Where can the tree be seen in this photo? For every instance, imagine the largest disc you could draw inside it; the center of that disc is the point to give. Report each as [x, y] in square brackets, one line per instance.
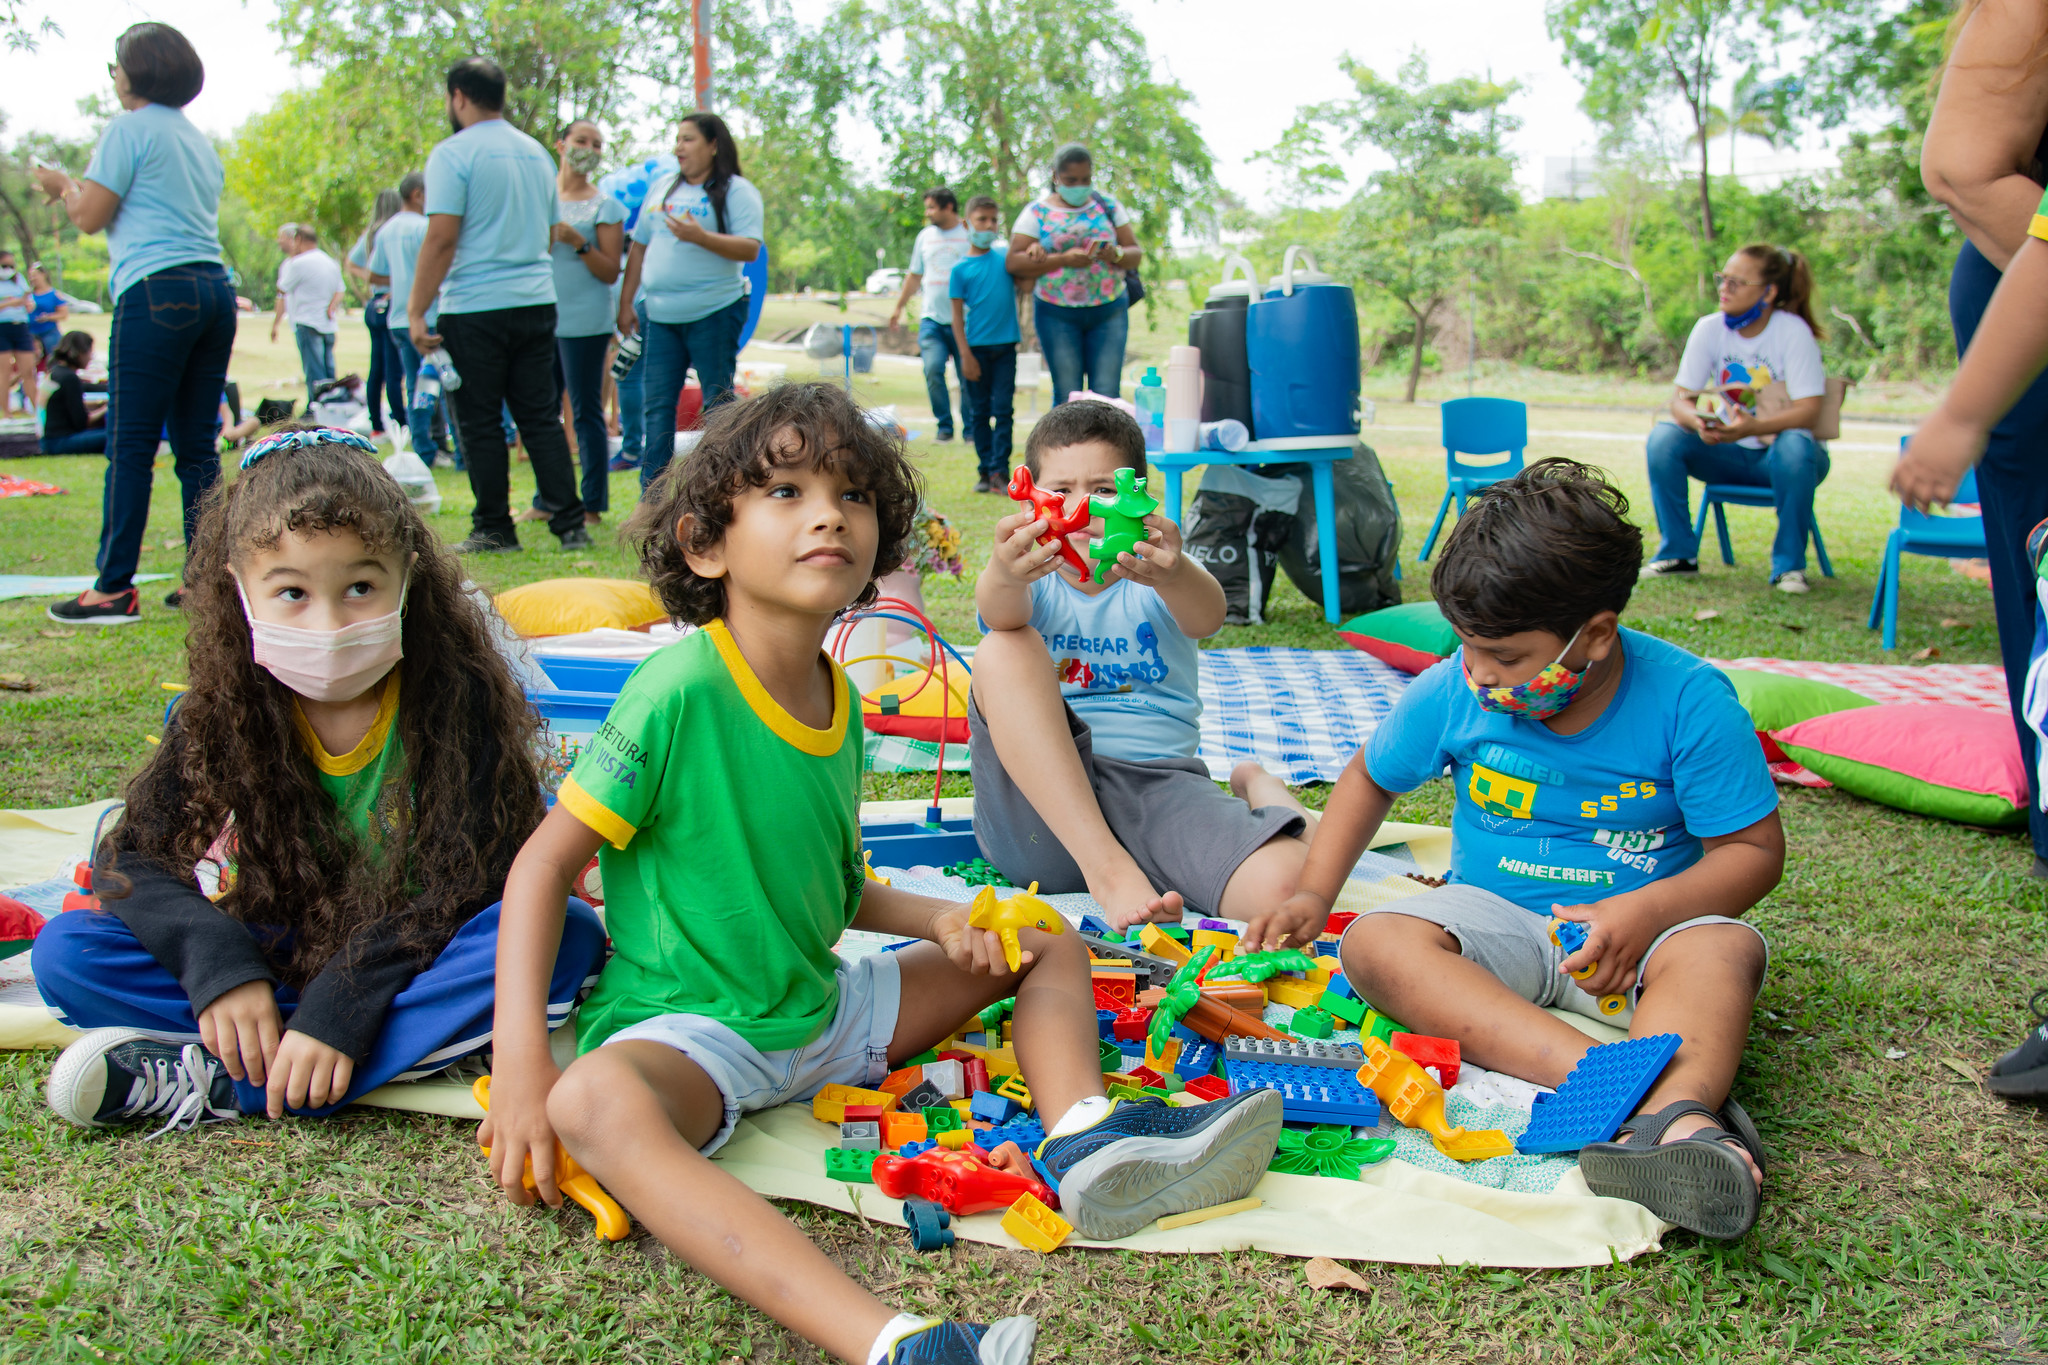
[1422, 229]
[987, 90]
[1636, 56]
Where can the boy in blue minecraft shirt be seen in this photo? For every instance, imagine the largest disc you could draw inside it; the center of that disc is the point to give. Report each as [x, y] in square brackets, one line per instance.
[1602, 776]
[985, 331]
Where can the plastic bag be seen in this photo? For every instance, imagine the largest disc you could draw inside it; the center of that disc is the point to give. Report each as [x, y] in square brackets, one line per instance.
[1236, 526]
[1368, 537]
[416, 479]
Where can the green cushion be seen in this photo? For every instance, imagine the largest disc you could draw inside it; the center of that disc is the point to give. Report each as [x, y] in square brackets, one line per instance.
[1776, 702]
[1411, 637]
[1910, 793]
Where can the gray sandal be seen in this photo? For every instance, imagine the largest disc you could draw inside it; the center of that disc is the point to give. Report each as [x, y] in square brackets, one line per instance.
[1697, 1182]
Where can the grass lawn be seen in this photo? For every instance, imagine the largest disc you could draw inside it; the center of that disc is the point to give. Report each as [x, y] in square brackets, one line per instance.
[1905, 1209]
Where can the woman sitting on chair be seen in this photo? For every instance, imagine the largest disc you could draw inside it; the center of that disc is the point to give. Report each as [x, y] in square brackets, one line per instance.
[1762, 348]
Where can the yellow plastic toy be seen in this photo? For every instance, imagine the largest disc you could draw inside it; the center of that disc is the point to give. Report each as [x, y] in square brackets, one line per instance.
[1035, 1225]
[1021, 911]
[575, 1182]
[829, 1104]
[1159, 943]
[1413, 1096]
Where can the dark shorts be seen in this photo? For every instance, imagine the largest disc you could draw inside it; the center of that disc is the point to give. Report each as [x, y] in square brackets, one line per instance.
[1185, 832]
[15, 336]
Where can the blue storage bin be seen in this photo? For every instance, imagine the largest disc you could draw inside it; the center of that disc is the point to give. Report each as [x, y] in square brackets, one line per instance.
[575, 674]
[1301, 340]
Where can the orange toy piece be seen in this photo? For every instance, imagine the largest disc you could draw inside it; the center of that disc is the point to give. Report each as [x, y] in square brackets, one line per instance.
[1413, 1096]
[1058, 523]
[1214, 1020]
[1021, 911]
[575, 1182]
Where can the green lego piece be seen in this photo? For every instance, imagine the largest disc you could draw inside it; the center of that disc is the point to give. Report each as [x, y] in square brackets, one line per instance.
[1123, 521]
[846, 1165]
[1157, 1092]
[977, 872]
[1312, 1023]
[1178, 932]
[992, 1017]
[925, 1058]
[1381, 1027]
[1349, 1008]
[1109, 1055]
[1127, 1092]
[942, 1118]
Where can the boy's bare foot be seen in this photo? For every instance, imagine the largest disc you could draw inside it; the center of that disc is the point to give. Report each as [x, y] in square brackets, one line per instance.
[1127, 898]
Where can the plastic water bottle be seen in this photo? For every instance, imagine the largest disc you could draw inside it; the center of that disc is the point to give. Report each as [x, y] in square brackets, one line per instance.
[444, 368]
[1150, 401]
[1225, 434]
[628, 356]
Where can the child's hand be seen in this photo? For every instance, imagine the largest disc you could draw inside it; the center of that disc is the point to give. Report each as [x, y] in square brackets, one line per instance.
[1018, 556]
[242, 1028]
[306, 1074]
[973, 950]
[1294, 925]
[516, 1128]
[1940, 453]
[1619, 930]
[1155, 559]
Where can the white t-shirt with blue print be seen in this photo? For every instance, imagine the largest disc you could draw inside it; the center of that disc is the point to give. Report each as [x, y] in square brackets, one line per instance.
[1124, 665]
[1547, 819]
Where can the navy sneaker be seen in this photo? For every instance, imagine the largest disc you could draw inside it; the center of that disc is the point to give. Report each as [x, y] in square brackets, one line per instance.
[115, 1076]
[2023, 1072]
[1143, 1161]
[1008, 1342]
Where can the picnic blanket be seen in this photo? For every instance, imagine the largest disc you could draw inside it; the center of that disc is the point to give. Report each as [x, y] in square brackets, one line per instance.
[1401, 1210]
[13, 585]
[1981, 686]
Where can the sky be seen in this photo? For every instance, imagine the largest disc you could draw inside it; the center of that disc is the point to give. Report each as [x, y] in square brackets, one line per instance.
[1249, 68]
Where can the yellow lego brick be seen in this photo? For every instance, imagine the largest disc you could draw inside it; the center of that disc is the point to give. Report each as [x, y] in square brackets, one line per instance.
[1035, 1225]
[1320, 977]
[1181, 1220]
[1013, 1088]
[829, 1105]
[954, 1138]
[965, 1107]
[1159, 943]
[1162, 1063]
[1224, 944]
[1285, 990]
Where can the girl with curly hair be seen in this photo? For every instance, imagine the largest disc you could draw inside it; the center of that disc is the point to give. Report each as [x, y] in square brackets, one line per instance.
[300, 896]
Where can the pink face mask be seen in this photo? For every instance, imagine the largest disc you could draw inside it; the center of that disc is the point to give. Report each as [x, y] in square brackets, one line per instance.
[329, 665]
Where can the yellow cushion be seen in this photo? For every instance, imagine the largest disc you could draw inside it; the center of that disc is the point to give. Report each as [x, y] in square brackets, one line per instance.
[569, 606]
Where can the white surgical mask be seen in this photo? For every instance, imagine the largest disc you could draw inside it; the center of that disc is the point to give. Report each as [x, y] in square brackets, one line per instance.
[329, 665]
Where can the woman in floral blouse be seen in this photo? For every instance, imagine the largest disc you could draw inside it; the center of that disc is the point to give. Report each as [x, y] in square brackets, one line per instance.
[1077, 243]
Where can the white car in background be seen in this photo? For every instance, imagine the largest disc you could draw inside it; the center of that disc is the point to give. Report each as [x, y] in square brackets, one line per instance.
[887, 280]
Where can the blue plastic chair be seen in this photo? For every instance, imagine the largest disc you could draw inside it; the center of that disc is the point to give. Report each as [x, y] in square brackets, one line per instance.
[1477, 426]
[1716, 495]
[1918, 533]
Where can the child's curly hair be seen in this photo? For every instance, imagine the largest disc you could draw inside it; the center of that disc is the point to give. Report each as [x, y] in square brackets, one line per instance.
[811, 425]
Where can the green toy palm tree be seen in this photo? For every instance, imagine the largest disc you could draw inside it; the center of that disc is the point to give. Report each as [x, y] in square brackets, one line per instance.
[1257, 967]
[1183, 989]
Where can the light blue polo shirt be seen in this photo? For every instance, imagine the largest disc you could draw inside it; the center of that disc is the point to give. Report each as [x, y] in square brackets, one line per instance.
[681, 281]
[395, 252]
[502, 184]
[169, 180]
[583, 303]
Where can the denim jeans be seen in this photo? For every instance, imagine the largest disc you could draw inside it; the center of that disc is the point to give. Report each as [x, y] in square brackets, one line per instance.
[991, 403]
[385, 381]
[1791, 467]
[173, 332]
[506, 357]
[418, 418]
[91, 441]
[712, 345]
[1084, 347]
[316, 356]
[935, 346]
[582, 365]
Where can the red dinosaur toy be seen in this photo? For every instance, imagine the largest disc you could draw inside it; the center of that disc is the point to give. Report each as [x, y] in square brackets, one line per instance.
[955, 1181]
[1058, 523]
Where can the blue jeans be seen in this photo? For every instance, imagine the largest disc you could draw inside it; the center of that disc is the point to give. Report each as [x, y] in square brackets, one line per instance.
[1791, 467]
[582, 364]
[1084, 347]
[385, 381]
[419, 417]
[173, 332]
[711, 345]
[91, 441]
[991, 403]
[935, 346]
[316, 356]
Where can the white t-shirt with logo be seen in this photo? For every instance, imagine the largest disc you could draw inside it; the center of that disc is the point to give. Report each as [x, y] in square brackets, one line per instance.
[932, 256]
[309, 281]
[1720, 360]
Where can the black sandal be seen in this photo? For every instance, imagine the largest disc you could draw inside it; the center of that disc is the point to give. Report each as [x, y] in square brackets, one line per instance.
[1697, 1182]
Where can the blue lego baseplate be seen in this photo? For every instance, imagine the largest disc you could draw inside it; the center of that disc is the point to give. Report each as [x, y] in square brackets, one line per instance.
[1602, 1091]
[1308, 1094]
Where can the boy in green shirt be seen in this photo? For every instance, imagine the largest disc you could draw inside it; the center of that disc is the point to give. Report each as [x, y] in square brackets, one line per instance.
[724, 791]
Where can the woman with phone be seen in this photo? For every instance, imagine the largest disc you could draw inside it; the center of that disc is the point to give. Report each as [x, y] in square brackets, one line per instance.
[1077, 243]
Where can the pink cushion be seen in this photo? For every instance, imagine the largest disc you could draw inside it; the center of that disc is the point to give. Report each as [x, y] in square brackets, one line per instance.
[1958, 747]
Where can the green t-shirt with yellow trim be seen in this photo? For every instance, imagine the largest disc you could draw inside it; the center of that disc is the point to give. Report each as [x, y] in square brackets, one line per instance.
[366, 784]
[732, 861]
[2039, 227]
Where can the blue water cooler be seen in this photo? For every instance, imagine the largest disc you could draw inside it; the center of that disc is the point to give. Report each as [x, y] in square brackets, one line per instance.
[1301, 340]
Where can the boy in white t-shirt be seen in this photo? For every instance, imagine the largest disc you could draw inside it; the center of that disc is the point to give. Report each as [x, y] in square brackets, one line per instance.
[1764, 333]
[1085, 714]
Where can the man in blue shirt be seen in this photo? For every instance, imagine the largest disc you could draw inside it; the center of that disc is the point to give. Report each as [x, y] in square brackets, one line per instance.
[490, 214]
[985, 331]
[1602, 777]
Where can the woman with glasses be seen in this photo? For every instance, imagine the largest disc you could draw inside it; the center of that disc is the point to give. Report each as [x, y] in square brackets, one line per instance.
[1763, 337]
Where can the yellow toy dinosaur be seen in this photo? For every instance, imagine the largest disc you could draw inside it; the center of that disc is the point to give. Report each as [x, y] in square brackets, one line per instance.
[1021, 911]
[573, 1181]
[1413, 1096]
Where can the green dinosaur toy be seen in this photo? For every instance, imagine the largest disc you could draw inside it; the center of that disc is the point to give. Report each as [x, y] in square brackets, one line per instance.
[1123, 521]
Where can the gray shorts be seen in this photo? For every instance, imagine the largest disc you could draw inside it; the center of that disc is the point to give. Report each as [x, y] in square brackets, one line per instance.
[1514, 944]
[853, 1050]
[1186, 833]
